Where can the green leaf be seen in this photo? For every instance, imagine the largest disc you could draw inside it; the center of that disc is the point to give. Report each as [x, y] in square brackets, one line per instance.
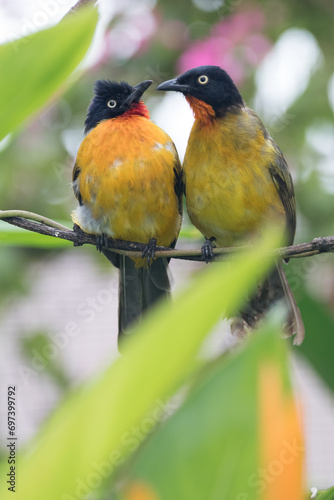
[324, 494]
[211, 447]
[90, 434]
[11, 236]
[318, 346]
[34, 67]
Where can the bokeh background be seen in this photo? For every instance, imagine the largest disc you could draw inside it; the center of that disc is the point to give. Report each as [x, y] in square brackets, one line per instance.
[58, 312]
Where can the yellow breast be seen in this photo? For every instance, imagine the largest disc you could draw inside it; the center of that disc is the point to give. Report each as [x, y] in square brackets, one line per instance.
[229, 190]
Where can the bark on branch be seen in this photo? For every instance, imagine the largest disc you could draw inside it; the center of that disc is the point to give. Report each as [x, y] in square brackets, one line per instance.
[42, 225]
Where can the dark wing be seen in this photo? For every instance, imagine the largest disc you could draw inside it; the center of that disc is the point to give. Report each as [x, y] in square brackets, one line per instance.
[283, 181]
[178, 184]
[75, 184]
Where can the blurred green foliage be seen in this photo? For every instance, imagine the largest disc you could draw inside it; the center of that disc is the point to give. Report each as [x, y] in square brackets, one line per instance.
[38, 349]
[35, 175]
[93, 429]
[216, 432]
[325, 495]
[57, 52]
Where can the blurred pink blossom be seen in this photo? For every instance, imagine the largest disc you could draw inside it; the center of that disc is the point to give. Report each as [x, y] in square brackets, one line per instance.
[131, 34]
[237, 44]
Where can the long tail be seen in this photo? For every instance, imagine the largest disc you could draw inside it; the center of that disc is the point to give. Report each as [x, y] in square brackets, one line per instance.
[274, 288]
[139, 287]
[295, 325]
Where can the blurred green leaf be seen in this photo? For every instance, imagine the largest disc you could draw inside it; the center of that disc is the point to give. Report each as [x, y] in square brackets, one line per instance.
[12, 271]
[325, 495]
[318, 346]
[35, 66]
[92, 427]
[211, 447]
[39, 350]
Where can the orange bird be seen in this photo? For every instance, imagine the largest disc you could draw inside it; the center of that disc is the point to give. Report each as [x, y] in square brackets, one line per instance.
[236, 182]
[127, 179]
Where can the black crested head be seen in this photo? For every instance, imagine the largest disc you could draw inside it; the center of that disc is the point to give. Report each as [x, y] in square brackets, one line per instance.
[210, 84]
[107, 102]
[112, 99]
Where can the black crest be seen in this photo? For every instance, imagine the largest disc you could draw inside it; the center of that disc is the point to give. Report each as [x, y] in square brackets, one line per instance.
[108, 102]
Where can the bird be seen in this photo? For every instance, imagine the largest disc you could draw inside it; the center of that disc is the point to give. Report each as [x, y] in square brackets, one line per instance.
[127, 179]
[236, 183]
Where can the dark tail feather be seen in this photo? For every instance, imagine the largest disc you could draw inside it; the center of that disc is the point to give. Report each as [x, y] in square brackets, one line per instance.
[295, 325]
[274, 288]
[130, 293]
[139, 287]
[156, 282]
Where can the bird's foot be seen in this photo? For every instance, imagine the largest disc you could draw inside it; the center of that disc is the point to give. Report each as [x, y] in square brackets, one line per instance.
[101, 241]
[149, 251]
[207, 250]
[78, 231]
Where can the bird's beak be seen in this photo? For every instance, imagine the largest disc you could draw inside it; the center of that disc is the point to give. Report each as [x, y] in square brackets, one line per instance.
[174, 85]
[138, 91]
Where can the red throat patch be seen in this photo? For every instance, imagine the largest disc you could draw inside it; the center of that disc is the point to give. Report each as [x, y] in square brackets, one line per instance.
[202, 111]
[138, 109]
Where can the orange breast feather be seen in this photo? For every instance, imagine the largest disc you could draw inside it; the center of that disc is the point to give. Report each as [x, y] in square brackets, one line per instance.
[126, 181]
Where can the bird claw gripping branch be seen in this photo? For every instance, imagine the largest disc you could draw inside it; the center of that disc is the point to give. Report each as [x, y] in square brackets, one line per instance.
[207, 251]
[101, 242]
[149, 251]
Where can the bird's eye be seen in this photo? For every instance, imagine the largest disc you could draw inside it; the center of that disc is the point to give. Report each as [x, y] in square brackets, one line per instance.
[203, 79]
[112, 104]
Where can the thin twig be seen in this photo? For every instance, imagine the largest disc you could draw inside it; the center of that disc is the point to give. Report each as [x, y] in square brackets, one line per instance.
[30, 215]
[78, 5]
[42, 225]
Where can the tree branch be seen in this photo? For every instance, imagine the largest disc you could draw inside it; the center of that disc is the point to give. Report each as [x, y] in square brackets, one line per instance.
[42, 225]
[30, 215]
[78, 5]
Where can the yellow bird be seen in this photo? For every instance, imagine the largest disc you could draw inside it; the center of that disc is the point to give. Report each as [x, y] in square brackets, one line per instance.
[237, 182]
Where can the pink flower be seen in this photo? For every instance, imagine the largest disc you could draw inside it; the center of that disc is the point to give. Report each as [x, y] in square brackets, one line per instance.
[236, 44]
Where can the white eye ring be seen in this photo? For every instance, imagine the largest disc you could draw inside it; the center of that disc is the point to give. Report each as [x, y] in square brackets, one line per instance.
[203, 79]
[112, 104]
